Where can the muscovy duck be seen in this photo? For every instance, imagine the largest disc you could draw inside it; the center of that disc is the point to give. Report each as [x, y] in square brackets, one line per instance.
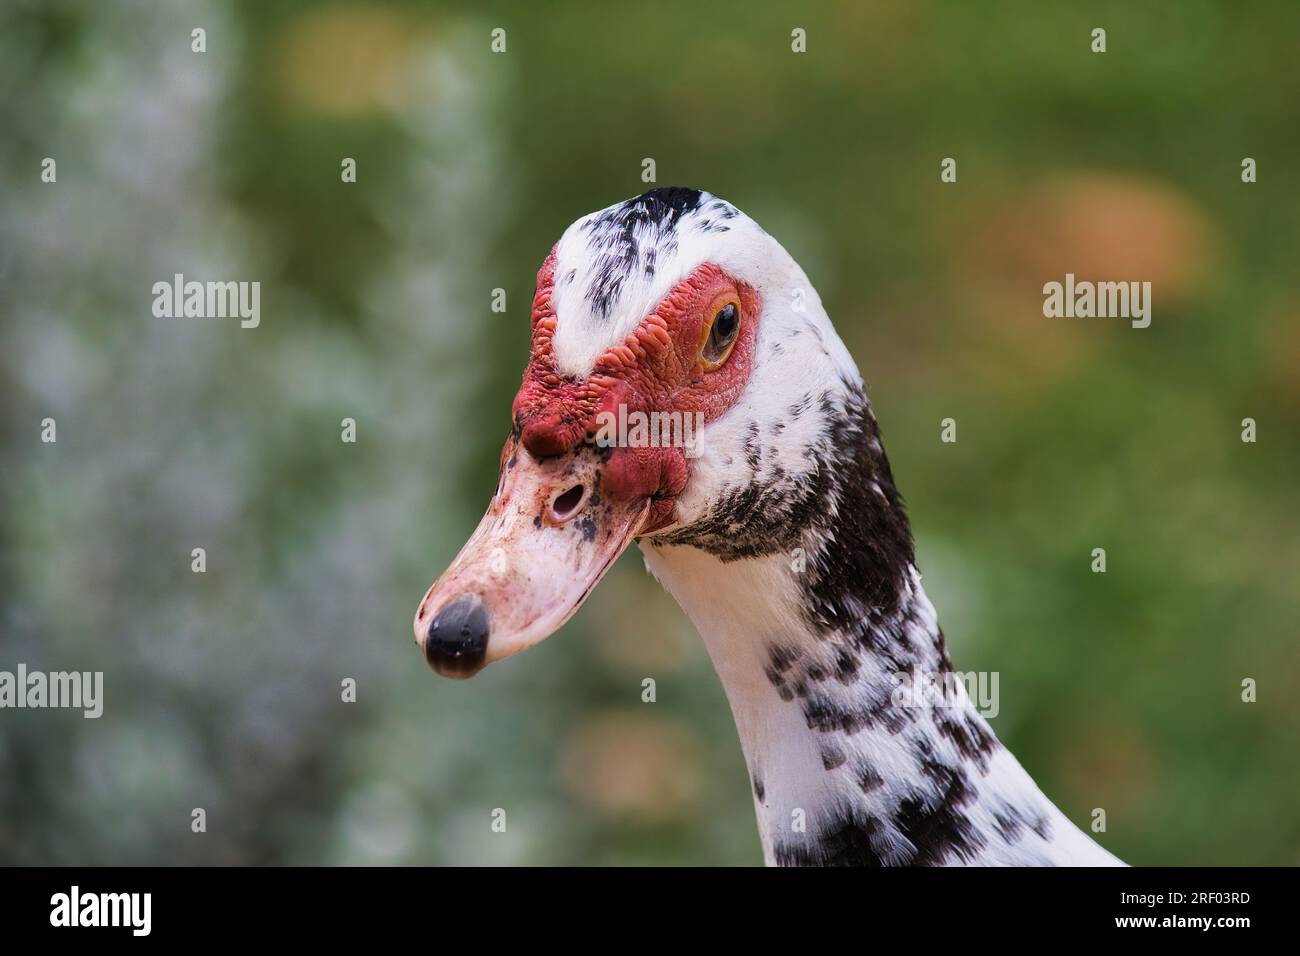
[777, 527]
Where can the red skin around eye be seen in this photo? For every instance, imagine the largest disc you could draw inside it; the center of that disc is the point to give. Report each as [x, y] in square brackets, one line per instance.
[657, 368]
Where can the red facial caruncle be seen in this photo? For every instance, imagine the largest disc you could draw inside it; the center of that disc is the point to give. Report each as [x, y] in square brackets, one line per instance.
[662, 366]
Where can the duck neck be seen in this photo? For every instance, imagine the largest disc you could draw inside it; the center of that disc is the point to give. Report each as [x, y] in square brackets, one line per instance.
[862, 747]
[866, 751]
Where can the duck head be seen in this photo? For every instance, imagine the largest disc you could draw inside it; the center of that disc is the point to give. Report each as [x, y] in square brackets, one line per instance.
[683, 376]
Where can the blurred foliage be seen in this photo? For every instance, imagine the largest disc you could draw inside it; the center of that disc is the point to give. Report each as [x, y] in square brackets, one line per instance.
[1119, 691]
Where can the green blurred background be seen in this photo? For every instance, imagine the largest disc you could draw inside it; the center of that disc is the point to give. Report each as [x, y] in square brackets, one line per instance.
[1119, 691]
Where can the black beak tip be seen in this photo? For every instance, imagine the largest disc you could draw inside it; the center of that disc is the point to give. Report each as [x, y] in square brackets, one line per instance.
[456, 641]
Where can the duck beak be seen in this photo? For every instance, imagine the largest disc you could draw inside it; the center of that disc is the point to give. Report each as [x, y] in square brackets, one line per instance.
[548, 537]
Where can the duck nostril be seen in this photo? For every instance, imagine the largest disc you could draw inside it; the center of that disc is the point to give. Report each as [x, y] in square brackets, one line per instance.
[566, 505]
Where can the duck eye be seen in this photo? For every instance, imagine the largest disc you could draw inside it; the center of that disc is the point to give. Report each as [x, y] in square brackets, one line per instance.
[722, 336]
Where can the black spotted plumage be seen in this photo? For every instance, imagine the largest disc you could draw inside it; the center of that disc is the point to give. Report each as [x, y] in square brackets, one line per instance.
[846, 512]
[868, 557]
[630, 237]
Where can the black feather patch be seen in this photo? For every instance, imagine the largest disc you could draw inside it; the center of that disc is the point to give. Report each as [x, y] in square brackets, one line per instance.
[866, 549]
[631, 237]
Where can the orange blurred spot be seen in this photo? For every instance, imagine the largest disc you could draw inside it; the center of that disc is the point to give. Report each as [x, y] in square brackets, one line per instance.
[626, 763]
[1098, 227]
[344, 60]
